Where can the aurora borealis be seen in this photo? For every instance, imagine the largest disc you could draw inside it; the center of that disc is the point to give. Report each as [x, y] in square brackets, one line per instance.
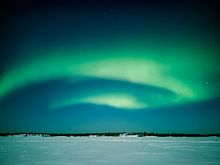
[110, 66]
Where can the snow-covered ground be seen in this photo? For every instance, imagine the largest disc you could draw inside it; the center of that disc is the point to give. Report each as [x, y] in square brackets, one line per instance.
[32, 150]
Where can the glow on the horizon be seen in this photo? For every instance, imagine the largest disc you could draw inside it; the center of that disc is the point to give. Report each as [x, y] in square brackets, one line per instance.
[113, 100]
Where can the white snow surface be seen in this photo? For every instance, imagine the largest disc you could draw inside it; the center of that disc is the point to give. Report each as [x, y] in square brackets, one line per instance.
[37, 150]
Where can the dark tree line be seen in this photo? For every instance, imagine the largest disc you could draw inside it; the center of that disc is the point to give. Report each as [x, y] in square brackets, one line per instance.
[114, 134]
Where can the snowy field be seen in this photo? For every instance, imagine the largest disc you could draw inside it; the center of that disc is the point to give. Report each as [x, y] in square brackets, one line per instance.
[36, 150]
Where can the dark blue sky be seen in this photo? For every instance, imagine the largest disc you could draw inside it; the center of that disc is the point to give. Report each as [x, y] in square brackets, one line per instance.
[107, 66]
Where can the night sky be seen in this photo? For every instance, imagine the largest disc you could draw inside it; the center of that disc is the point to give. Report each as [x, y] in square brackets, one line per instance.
[108, 66]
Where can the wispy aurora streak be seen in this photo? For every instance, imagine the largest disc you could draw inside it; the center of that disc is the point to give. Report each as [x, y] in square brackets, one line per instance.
[170, 70]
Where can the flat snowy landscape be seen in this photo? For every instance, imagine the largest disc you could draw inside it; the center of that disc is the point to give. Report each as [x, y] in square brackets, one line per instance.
[20, 150]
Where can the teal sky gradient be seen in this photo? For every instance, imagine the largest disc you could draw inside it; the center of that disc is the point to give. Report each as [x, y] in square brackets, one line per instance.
[127, 68]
